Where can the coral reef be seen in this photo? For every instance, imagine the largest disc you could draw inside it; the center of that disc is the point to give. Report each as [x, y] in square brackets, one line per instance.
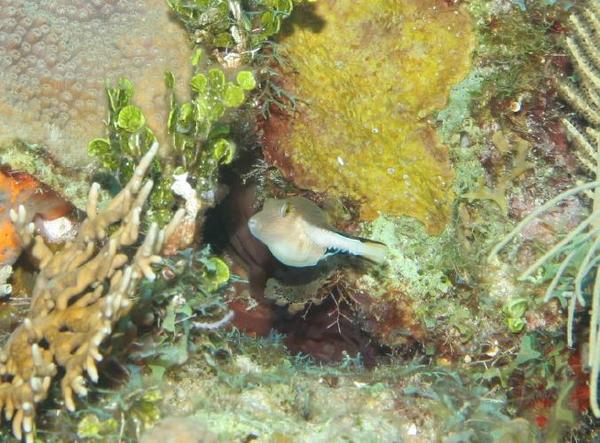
[571, 264]
[258, 390]
[55, 62]
[416, 292]
[79, 294]
[435, 345]
[366, 91]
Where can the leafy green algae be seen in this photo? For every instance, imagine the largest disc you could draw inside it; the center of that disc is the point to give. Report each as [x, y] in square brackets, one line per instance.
[369, 79]
[243, 26]
[198, 134]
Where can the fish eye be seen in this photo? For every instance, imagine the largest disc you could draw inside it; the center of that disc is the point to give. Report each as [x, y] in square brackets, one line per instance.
[285, 209]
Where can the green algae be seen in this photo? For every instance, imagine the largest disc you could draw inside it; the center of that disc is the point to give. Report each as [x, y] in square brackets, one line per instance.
[92, 428]
[515, 310]
[131, 118]
[243, 26]
[198, 129]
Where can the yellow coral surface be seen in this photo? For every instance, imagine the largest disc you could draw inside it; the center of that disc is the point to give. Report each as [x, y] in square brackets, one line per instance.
[57, 55]
[368, 81]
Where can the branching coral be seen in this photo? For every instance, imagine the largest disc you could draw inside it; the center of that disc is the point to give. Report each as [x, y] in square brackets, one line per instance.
[81, 291]
[572, 263]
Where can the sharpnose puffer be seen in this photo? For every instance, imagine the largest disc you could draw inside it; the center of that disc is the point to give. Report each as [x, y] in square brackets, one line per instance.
[297, 233]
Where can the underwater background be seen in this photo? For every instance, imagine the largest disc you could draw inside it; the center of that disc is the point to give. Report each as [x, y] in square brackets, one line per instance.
[299, 220]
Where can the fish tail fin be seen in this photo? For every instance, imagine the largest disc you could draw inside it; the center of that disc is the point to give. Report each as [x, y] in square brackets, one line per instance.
[373, 251]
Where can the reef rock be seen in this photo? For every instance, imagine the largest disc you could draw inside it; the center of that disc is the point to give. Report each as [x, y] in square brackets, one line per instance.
[366, 83]
[57, 55]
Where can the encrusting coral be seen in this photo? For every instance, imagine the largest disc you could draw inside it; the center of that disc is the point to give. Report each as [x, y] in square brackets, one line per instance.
[572, 263]
[81, 291]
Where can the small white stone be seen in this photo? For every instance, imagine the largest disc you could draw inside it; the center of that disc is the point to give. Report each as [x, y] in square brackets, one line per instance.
[412, 429]
[182, 188]
[58, 230]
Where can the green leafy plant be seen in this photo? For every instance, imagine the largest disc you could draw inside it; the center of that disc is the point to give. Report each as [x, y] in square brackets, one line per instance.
[129, 138]
[126, 412]
[186, 297]
[514, 311]
[227, 24]
[199, 136]
[239, 32]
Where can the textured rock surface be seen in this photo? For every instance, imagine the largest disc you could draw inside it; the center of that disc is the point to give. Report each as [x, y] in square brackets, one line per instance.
[368, 81]
[56, 55]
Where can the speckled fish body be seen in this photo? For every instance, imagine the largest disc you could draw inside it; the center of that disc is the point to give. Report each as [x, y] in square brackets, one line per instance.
[297, 233]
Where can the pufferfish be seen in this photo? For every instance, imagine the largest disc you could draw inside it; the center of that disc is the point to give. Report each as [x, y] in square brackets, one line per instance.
[297, 233]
